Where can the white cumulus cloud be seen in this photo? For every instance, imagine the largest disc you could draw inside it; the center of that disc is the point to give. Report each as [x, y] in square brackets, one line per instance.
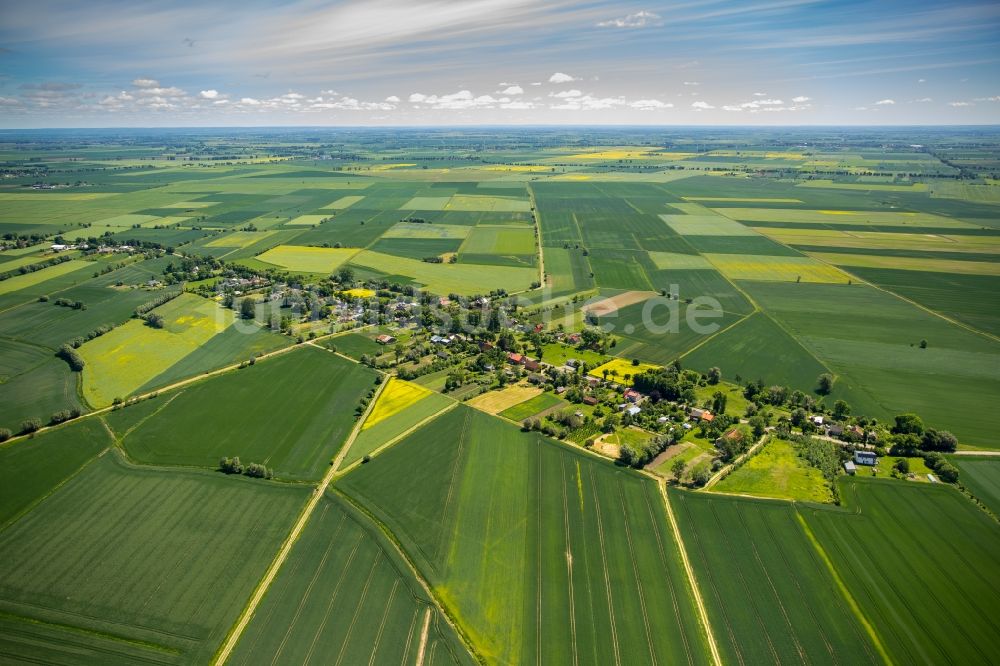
[512, 90]
[209, 94]
[559, 77]
[800, 99]
[885, 102]
[701, 105]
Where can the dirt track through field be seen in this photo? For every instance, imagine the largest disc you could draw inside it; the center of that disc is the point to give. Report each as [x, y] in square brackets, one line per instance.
[699, 602]
[423, 637]
[290, 540]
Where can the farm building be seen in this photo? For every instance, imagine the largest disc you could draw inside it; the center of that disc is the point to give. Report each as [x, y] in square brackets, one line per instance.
[850, 468]
[385, 339]
[632, 410]
[865, 458]
[516, 359]
[701, 414]
[632, 395]
[589, 400]
[532, 365]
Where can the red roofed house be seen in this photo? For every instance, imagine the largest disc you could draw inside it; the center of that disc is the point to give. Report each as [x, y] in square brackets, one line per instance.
[701, 414]
[516, 359]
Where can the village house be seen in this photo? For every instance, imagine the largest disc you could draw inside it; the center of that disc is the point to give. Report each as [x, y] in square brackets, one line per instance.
[385, 339]
[865, 458]
[589, 400]
[516, 359]
[701, 414]
[532, 365]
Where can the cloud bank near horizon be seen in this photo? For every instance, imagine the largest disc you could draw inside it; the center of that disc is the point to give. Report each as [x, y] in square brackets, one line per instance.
[399, 62]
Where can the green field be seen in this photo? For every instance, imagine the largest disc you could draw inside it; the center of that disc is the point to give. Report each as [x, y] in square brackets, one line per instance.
[532, 406]
[260, 413]
[535, 549]
[345, 596]
[880, 366]
[307, 259]
[125, 564]
[909, 553]
[122, 361]
[777, 471]
[464, 279]
[775, 602]
[866, 253]
[982, 477]
[30, 470]
[387, 429]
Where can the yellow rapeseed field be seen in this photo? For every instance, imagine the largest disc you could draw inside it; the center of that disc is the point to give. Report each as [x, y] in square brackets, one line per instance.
[396, 397]
[619, 367]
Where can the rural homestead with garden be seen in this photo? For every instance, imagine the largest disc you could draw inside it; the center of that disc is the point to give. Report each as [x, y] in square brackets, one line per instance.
[569, 369]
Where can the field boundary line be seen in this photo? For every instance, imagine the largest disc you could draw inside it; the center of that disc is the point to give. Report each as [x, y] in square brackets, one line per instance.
[428, 590]
[713, 647]
[183, 382]
[537, 217]
[20, 514]
[391, 442]
[286, 547]
[842, 586]
[960, 324]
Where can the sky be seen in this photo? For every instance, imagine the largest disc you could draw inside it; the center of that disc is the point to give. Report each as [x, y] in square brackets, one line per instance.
[111, 63]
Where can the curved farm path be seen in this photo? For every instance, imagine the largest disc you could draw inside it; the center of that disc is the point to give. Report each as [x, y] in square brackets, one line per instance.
[699, 602]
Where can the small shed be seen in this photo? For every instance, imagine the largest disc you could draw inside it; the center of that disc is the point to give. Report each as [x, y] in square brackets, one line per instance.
[850, 468]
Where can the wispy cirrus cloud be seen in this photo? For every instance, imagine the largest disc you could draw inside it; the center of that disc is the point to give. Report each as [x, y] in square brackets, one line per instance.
[640, 19]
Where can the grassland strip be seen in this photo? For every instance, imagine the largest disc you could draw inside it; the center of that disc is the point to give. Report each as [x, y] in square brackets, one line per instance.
[713, 647]
[851, 602]
[739, 461]
[289, 542]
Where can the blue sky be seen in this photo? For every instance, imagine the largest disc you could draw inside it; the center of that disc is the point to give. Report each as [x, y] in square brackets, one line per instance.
[445, 62]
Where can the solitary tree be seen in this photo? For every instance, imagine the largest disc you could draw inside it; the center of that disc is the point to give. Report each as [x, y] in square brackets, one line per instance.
[678, 468]
[824, 384]
[248, 308]
[841, 409]
[714, 375]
